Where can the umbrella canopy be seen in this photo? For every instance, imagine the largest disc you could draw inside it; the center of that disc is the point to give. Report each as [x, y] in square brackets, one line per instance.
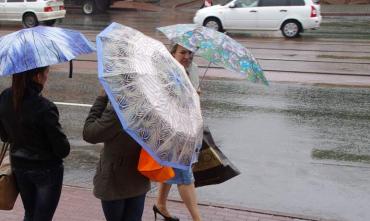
[217, 48]
[151, 94]
[39, 47]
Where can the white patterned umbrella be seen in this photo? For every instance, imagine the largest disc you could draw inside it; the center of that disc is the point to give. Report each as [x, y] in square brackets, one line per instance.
[151, 95]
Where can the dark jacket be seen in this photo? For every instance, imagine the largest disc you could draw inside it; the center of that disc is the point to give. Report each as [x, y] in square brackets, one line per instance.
[116, 175]
[35, 134]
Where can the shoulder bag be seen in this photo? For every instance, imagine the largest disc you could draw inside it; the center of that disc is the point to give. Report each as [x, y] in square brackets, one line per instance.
[8, 187]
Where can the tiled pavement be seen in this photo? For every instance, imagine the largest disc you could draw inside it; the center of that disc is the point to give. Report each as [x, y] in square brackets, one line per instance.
[78, 204]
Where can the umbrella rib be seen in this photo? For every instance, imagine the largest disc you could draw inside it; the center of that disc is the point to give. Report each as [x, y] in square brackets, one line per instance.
[24, 48]
[55, 51]
[34, 41]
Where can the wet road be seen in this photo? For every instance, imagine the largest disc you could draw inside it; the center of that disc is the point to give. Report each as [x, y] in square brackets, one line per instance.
[301, 148]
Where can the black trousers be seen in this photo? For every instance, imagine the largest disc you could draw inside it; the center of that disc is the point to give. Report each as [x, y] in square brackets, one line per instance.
[130, 209]
[40, 191]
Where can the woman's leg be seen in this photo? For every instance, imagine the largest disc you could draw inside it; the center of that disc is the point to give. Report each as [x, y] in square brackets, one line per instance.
[114, 209]
[188, 195]
[27, 192]
[134, 208]
[163, 192]
[48, 184]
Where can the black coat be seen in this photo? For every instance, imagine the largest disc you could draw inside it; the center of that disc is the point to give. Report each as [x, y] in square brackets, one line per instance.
[35, 134]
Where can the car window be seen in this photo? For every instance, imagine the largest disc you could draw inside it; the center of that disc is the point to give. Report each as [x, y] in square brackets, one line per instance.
[31, 0]
[2, 1]
[246, 3]
[297, 2]
[15, 0]
[273, 3]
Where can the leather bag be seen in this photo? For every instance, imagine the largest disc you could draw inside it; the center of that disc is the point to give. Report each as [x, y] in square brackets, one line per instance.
[8, 187]
[213, 167]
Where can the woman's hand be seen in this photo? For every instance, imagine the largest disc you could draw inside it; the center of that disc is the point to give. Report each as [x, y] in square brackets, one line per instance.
[102, 92]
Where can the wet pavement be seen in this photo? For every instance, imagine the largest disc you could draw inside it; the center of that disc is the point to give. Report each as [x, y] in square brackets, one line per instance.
[302, 148]
[272, 134]
[79, 204]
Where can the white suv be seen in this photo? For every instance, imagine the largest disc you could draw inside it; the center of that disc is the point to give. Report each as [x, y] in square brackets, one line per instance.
[31, 12]
[290, 16]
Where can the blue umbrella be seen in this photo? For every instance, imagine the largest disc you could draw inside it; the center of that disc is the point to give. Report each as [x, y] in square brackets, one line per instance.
[39, 47]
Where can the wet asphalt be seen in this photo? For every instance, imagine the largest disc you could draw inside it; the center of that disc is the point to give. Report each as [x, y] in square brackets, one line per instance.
[301, 148]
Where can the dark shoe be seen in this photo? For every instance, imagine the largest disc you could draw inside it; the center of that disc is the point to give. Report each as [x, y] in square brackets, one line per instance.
[166, 218]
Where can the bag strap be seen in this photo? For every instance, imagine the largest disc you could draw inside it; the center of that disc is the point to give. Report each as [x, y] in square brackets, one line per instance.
[3, 151]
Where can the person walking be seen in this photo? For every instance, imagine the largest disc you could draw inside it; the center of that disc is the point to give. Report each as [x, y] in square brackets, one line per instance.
[117, 182]
[30, 123]
[183, 178]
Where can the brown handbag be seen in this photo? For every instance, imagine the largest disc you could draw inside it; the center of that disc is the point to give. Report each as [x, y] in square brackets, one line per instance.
[213, 167]
[8, 187]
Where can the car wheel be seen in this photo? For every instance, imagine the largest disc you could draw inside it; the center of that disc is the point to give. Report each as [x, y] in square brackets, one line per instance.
[30, 20]
[88, 7]
[291, 29]
[50, 22]
[213, 23]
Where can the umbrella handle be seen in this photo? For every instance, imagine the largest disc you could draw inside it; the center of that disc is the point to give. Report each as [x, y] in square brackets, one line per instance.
[70, 68]
[205, 72]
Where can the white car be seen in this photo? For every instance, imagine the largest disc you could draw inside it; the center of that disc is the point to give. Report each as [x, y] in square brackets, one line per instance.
[290, 16]
[31, 12]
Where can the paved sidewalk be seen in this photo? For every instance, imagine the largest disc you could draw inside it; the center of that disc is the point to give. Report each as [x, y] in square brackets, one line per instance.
[78, 204]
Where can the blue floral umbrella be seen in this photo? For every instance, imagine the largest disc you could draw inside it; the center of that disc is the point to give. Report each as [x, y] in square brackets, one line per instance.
[151, 94]
[217, 48]
[40, 46]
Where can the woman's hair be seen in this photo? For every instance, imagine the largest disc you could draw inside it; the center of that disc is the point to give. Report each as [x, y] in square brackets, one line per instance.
[173, 47]
[20, 81]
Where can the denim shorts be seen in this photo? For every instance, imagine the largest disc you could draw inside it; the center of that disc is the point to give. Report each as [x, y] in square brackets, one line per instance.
[182, 177]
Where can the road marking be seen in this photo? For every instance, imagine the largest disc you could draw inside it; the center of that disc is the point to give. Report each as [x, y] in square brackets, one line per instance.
[73, 104]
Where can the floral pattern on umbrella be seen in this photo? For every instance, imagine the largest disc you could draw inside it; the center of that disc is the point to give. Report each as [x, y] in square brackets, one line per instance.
[217, 48]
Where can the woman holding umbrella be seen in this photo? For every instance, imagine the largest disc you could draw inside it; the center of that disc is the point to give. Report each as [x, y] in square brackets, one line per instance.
[154, 104]
[184, 179]
[29, 121]
[117, 182]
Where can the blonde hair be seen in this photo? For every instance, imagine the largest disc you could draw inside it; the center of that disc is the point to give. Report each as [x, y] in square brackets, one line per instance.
[173, 47]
